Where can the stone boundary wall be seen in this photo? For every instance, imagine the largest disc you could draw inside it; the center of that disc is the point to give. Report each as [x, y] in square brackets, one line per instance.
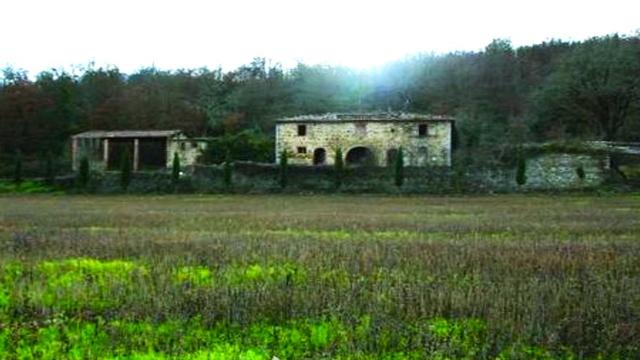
[548, 172]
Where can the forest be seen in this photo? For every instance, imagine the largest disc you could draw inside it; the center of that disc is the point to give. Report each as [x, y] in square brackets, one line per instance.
[553, 91]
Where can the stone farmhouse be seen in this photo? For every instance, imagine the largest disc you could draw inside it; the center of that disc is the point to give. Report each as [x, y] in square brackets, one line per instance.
[147, 150]
[366, 138]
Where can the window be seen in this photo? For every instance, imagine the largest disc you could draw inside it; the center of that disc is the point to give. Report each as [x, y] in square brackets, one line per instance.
[422, 130]
[302, 150]
[302, 130]
[183, 146]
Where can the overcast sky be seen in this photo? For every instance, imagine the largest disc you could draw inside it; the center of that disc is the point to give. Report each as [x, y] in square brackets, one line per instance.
[41, 34]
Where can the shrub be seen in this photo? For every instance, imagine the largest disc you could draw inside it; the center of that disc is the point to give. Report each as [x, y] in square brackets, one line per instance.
[125, 171]
[228, 171]
[338, 169]
[17, 169]
[399, 168]
[521, 172]
[580, 172]
[175, 170]
[84, 172]
[49, 170]
[247, 145]
[284, 159]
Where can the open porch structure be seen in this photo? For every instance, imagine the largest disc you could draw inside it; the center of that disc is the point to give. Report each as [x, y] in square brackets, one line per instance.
[147, 149]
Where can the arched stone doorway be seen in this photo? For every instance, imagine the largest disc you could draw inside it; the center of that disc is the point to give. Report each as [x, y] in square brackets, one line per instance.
[360, 155]
[319, 156]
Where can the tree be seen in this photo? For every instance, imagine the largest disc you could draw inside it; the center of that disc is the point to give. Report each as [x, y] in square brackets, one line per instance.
[84, 172]
[596, 89]
[49, 170]
[17, 168]
[125, 171]
[338, 169]
[228, 171]
[399, 168]
[284, 168]
[521, 171]
[175, 170]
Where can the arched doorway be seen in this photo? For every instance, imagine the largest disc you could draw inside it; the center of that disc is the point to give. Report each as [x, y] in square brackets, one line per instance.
[360, 155]
[319, 156]
[392, 154]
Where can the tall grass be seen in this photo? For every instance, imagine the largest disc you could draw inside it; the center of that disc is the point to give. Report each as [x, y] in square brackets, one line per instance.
[320, 277]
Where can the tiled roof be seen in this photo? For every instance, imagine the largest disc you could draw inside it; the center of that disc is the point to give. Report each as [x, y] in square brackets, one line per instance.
[126, 134]
[367, 116]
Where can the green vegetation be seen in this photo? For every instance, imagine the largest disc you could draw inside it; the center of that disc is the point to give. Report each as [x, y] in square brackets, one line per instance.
[175, 170]
[49, 170]
[521, 171]
[84, 173]
[240, 277]
[227, 171]
[580, 172]
[399, 168]
[338, 169]
[17, 168]
[125, 171]
[501, 96]
[284, 176]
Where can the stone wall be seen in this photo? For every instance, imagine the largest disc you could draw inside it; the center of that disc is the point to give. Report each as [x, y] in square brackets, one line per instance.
[434, 149]
[560, 171]
[188, 150]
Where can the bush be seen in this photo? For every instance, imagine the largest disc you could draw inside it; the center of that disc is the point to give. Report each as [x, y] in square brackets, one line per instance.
[17, 169]
[175, 170]
[338, 169]
[245, 146]
[399, 168]
[521, 172]
[228, 171]
[284, 159]
[49, 170]
[125, 171]
[84, 172]
[580, 172]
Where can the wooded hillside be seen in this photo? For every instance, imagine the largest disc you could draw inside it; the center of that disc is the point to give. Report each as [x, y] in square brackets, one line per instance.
[501, 95]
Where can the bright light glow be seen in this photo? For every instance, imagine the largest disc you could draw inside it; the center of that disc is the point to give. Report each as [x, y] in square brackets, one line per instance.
[131, 34]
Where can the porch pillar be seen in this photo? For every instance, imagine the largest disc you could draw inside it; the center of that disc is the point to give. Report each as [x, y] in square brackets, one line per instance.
[105, 152]
[136, 144]
[74, 154]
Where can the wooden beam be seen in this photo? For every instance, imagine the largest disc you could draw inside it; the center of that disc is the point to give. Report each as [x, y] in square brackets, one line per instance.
[136, 153]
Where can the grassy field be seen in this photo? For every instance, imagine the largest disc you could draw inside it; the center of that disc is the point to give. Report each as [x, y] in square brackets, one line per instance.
[319, 277]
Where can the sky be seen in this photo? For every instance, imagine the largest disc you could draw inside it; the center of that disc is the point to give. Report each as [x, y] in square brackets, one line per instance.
[37, 35]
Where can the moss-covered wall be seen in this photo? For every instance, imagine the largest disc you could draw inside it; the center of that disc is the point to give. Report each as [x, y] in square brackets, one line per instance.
[434, 149]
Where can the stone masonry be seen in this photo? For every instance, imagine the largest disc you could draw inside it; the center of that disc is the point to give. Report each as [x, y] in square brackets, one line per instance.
[371, 138]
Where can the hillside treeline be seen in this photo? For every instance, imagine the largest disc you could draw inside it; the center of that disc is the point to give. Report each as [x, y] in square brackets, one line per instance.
[502, 95]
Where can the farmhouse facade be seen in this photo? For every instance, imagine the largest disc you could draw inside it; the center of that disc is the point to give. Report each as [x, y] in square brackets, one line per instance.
[365, 138]
[147, 150]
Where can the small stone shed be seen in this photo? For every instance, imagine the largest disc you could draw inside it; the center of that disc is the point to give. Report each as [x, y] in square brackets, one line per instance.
[147, 149]
[366, 138]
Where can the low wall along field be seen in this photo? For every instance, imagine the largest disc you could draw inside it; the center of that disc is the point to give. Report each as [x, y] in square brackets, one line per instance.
[319, 277]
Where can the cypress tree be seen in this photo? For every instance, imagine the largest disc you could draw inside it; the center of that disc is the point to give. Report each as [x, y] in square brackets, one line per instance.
[521, 172]
[83, 175]
[338, 169]
[17, 169]
[125, 171]
[284, 160]
[49, 170]
[399, 167]
[580, 172]
[175, 170]
[227, 170]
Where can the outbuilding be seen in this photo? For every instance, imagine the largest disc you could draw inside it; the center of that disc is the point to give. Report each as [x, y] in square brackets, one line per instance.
[147, 149]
